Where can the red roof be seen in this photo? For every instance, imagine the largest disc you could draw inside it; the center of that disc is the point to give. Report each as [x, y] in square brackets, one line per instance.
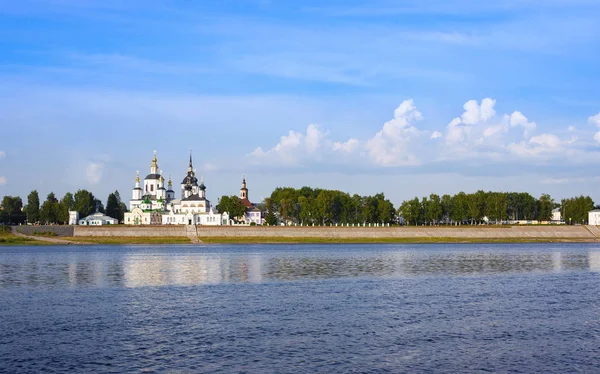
[246, 202]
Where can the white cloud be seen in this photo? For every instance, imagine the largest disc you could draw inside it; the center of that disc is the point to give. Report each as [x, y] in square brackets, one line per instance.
[475, 113]
[555, 181]
[314, 137]
[94, 171]
[460, 128]
[540, 145]
[391, 145]
[518, 119]
[595, 120]
[478, 134]
[2, 155]
[348, 147]
[571, 128]
[3, 181]
[292, 147]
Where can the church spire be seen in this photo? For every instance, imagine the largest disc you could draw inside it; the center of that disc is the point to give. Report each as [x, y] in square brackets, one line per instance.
[190, 166]
[154, 166]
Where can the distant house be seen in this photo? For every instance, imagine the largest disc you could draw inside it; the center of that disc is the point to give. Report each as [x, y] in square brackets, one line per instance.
[556, 216]
[73, 217]
[253, 213]
[98, 219]
[594, 217]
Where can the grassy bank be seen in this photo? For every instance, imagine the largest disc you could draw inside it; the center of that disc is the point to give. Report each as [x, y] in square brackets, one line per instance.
[7, 238]
[420, 240]
[129, 239]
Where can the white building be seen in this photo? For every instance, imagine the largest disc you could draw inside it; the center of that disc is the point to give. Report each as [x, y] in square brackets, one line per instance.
[98, 219]
[73, 217]
[594, 217]
[155, 205]
[253, 213]
[556, 215]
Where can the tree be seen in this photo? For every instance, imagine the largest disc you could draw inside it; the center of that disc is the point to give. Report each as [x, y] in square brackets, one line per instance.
[64, 206]
[458, 212]
[49, 210]
[385, 210]
[270, 218]
[12, 210]
[546, 205]
[232, 205]
[85, 203]
[446, 207]
[435, 209]
[115, 207]
[33, 207]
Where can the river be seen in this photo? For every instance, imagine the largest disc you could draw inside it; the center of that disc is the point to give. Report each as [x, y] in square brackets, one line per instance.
[300, 308]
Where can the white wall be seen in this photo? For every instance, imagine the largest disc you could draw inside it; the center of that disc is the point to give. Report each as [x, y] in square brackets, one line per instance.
[594, 218]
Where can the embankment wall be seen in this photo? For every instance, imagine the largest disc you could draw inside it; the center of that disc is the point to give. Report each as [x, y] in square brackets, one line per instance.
[574, 232]
[57, 230]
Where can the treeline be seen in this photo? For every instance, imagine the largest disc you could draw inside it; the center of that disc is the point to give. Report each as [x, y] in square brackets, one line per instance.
[489, 207]
[307, 206]
[575, 210]
[54, 211]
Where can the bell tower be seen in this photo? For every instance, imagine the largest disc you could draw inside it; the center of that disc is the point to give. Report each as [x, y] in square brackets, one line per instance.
[243, 190]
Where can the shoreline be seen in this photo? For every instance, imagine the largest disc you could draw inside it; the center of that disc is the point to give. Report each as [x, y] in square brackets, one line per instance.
[125, 240]
[85, 235]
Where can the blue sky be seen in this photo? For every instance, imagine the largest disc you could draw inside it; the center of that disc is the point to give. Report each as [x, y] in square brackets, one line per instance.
[405, 97]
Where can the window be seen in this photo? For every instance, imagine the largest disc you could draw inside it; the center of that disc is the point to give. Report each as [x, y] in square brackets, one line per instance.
[151, 188]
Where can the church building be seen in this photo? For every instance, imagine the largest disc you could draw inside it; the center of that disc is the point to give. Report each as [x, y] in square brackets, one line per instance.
[153, 204]
[253, 213]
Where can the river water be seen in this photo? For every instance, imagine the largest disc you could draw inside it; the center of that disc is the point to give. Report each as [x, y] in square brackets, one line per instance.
[301, 308]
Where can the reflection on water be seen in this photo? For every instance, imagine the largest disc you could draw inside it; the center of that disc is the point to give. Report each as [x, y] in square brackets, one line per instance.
[132, 267]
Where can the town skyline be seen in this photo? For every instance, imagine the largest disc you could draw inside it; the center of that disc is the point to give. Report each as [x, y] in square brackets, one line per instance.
[361, 97]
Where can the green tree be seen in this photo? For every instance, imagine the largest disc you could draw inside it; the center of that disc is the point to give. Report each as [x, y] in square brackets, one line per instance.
[270, 218]
[64, 206]
[447, 202]
[233, 206]
[50, 210]
[546, 204]
[33, 207]
[12, 210]
[84, 203]
[385, 210]
[115, 207]
[435, 210]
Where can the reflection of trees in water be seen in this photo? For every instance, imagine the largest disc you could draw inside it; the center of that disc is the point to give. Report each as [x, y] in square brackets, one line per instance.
[139, 270]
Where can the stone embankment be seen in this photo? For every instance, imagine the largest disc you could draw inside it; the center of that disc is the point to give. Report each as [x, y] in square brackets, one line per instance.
[466, 232]
[589, 233]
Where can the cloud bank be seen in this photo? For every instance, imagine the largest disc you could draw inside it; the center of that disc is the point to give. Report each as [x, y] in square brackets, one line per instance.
[479, 134]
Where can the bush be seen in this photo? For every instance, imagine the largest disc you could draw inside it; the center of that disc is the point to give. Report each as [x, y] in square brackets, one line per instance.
[252, 223]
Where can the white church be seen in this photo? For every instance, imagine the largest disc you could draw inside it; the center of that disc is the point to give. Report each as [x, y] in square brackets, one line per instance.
[153, 204]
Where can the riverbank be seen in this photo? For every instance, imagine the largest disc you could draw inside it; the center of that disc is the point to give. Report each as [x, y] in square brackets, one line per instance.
[122, 234]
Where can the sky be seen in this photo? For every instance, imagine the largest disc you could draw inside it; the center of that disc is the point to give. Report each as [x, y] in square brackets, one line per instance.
[403, 97]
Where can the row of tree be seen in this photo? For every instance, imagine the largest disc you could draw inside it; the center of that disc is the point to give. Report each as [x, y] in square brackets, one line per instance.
[496, 207]
[307, 206]
[54, 211]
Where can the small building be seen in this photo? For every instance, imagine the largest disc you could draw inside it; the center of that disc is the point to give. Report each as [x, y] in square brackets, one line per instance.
[253, 213]
[73, 217]
[98, 219]
[556, 215]
[594, 217]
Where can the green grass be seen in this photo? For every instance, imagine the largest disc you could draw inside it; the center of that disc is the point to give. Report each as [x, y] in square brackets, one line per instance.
[129, 239]
[45, 233]
[7, 238]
